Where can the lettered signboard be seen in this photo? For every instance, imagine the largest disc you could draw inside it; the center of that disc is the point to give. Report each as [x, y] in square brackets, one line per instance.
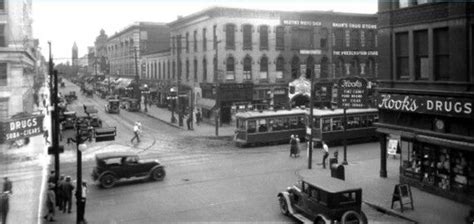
[21, 127]
[352, 92]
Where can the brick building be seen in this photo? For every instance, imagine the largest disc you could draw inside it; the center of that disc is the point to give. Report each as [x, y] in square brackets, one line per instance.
[426, 94]
[100, 44]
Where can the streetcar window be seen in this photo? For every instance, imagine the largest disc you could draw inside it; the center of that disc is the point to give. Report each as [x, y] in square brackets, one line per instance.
[262, 125]
[278, 124]
[252, 126]
[357, 122]
[286, 124]
[271, 124]
[370, 120]
[326, 124]
[241, 124]
[316, 123]
[350, 122]
[337, 123]
[301, 122]
[293, 122]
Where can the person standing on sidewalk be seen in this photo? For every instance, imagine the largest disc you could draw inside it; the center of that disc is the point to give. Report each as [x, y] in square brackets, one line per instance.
[293, 145]
[5, 199]
[326, 153]
[67, 188]
[81, 202]
[189, 121]
[297, 146]
[50, 203]
[136, 131]
[60, 193]
[7, 185]
[198, 117]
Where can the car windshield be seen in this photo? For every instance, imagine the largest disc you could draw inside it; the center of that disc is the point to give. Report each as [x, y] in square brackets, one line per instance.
[347, 198]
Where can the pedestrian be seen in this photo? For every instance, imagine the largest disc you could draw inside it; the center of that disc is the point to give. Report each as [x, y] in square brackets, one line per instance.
[67, 188]
[60, 193]
[198, 117]
[336, 155]
[189, 121]
[293, 146]
[297, 146]
[46, 136]
[50, 203]
[52, 177]
[136, 131]
[4, 206]
[81, 205]
[7, 186]
[61, 128]
[325, 150]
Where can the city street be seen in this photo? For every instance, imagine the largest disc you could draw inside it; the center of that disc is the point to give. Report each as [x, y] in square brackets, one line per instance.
[208, 180]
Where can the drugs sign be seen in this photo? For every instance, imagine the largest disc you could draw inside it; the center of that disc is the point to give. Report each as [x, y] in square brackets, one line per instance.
[22, 127]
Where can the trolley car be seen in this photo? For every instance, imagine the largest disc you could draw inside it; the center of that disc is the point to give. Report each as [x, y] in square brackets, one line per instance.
[264, 127]
[328, 125]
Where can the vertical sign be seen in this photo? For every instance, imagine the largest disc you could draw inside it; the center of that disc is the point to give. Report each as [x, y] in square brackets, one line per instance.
[352, 92]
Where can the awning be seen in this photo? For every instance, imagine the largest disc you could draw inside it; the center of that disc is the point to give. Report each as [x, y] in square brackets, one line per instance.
[445, 142]
[208, 104]
[403, 134]
[123, 83]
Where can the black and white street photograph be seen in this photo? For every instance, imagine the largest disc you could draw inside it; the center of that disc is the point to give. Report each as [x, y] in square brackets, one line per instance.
[236, 111]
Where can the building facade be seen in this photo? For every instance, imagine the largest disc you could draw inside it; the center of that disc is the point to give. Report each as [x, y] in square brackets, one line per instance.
[101, 62]
[157, 72]
[426, 94]
[129, 44]
[75, 55]
[234, 59]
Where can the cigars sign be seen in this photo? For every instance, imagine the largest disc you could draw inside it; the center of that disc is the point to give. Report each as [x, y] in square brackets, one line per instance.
[21, 127]
[458, 107]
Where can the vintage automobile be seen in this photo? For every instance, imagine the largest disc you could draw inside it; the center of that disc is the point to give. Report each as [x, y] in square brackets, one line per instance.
[113, 166]
[322, 200]
[130, 104]
[113, 106]
[69, 119]
[71, 96]
[92, 116]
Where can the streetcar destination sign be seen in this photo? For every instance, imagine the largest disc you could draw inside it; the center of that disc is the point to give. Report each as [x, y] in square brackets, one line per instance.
[22, 127]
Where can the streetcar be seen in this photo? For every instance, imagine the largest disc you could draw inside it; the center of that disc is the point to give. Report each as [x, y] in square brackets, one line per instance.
[328, 125]
[263, 127]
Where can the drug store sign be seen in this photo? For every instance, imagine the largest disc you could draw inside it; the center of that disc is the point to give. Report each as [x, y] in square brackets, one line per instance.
[22, 127]
[458, 107]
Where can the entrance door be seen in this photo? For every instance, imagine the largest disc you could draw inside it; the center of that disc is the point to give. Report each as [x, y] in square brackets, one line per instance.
[225, 114]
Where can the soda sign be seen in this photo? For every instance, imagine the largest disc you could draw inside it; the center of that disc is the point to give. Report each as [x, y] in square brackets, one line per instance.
[352, 92]
[22, 127]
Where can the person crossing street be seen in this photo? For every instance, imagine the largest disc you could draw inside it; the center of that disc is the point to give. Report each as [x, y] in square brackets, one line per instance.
[136, 132]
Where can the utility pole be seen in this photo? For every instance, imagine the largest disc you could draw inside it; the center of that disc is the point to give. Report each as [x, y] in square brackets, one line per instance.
[54, 115]
[216, 81]
[137, 78]
[178, 64]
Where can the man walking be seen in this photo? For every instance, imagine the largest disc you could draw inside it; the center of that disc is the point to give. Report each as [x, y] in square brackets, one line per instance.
[326, 154]
[67, 188]
[136, 131]
[50, 203]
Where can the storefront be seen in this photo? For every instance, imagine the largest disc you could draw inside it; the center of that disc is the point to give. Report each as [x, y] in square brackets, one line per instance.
[435, 138]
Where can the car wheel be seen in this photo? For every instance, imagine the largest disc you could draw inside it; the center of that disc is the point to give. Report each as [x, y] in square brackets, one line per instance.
[351, 217]
[158, 174]
[108, 181]
[283, 205]
[319, 220]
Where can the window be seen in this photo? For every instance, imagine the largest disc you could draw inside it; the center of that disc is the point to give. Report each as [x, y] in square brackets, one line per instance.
[3, 74]
[229, 36]
[264, 67]
[295, 67]
[401, 51]
[347, 38]
[347, 197]
[247, 68]
[187, 69]
[441, 53]
[2, 5]
[355, 66]
[370, 38]
[262, 125]
[340, 70]
[355, 41]
[195, 41]
[195, 69]
[230, 68]
[370, 67]
[280, 38]
[252, 126]
[159, 70]
[404, 3]
[187, 42]
[421, 54]
[169, 70]
[280, 67]
[178, 43]
[3, 42]
[338, 37]
[204, 40]
[174, 69]
[362, 38]
[4, 108]
[326, 124]
[323, 42]
[204, 70]
[263, 37]
[247, 32]
[309, 67]
[324, 68]
[214, 36]
[337, 123]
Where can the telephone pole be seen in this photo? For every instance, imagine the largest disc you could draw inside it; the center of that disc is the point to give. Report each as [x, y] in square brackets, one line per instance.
[53, 75]
[216, 81]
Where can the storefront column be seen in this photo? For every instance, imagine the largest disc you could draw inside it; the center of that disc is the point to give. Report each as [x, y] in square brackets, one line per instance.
[383, 155]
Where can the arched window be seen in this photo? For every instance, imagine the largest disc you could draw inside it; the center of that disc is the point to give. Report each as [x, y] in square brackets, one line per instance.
[187, 69]
[309, 67]
[204, 70]
[195, 69]
[324, 68]
[295, 67]
[355, 39]
[230, 68]
[323, 42]
[355, 66]
[280, 67]
[264, 67]
[340, 71]
[247, 68]
[370, 67]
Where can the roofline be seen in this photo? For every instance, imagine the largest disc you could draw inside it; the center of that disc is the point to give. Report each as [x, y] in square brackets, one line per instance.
[134, 25]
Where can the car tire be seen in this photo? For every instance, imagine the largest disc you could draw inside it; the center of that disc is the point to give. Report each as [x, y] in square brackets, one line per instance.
[158, 174]
[283, 205]
[108, 180]
[348, 217]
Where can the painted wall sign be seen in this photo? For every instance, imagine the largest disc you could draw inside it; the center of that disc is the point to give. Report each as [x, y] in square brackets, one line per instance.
[297, 22]
[354, 25]
[22, 127]
[352, 53]
[352, 92]
[458, 107]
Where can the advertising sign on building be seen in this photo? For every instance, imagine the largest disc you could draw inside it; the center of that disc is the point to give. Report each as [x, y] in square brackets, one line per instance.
[22, 127]
[352, 92]
[458, 107]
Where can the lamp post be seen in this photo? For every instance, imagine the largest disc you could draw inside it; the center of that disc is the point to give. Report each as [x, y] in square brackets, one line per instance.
[145, 93]
[172, 98]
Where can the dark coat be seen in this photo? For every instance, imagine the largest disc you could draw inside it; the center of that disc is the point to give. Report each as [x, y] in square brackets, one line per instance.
[67, 188]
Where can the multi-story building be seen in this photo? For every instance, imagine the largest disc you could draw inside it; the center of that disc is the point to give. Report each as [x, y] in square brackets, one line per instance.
[75, 55]
[100, 45]
[129, 44]
[91, 61]
[18, 58]
[426, 94]
[240, 58]
[157, 72]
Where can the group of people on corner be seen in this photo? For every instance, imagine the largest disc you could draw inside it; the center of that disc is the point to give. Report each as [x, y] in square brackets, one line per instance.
[61, 196]
[295, 149]
[4, 199]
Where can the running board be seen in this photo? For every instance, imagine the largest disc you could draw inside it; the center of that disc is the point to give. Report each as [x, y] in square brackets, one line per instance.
[302, 218]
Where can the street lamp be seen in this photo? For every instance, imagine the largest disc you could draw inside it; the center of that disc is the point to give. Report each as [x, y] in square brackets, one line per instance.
[145, 93]
[172, 98]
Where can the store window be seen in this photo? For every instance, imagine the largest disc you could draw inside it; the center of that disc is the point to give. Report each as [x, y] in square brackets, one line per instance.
[247, 36]
[441, 53]
[421, 54]
[401, 46]
[263, 37]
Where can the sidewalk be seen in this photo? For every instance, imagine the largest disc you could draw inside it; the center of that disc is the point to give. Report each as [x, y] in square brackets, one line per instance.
[203, 129]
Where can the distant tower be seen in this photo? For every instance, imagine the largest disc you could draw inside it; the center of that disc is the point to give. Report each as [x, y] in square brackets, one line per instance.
[74, 55]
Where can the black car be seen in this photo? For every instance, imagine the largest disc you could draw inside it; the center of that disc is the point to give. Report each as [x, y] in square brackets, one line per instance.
[113, 166]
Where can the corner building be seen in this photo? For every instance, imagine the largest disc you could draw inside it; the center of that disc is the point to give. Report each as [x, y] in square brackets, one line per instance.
[426, 94]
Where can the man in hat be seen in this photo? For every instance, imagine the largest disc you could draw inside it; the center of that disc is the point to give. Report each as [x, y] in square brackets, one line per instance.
[50, 203]
[67, 188]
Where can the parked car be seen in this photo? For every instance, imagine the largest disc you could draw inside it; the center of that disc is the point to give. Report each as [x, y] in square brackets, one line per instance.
[114, 166]
[69, 119]
[113, 106]
[322, 200]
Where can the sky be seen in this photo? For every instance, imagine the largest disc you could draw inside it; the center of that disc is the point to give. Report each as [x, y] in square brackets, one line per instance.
[63, 22]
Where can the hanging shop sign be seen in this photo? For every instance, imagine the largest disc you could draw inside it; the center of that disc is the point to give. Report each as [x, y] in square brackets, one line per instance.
[352, 92]
[458, 107]
[22, 127]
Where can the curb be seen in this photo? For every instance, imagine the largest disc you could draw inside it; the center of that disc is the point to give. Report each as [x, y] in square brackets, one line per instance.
[390, 212]
[166, 122]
